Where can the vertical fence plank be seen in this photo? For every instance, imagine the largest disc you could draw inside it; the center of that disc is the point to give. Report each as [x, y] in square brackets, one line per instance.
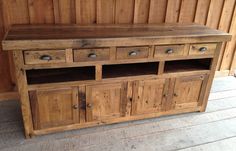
[157, 11]
[187, 11]
[141, 11]
[214, 13]
[230, 46]
[172, 11]
[85, 11]
[124, 11]
[202, 11]
[41, 11]
[5, 78]
[105, 11]
[64, 11]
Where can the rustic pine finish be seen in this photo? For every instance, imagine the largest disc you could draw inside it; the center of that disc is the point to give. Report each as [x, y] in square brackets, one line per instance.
[72, 77]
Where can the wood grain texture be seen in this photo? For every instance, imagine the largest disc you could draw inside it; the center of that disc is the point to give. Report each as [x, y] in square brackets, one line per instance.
[86, 11]
[157, 11]
[105, 11]
[172, 11]
[41, 11]
[64, 11]
[202, 11]
[187, 11]
[124, 11]
[141, 11]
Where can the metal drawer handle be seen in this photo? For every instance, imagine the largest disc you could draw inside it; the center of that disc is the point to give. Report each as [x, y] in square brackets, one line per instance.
[169, 51]
[92, 55]
[45, 57]
[203, 49]
[133, 53]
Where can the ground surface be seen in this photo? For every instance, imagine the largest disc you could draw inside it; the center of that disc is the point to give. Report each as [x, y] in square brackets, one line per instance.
[213, 130]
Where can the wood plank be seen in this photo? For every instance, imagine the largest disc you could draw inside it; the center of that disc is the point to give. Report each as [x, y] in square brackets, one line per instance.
[64, 11]
[5, 77]
[105, 11]
[85, 11]
[187, 11]
[230, 46]
[202, 11]
[141, 11]
[41, 11]
[223, 94]
[157, 11]
[4, 96]
[226, 144]
[22, 89]
[214, 13]
[124, 11]
[172, 11]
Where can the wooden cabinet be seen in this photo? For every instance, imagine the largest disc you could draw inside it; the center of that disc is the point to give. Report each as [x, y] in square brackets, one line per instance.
[148, 96]
[107, 74]
[54, 107]
[188, 91]
[105, 101]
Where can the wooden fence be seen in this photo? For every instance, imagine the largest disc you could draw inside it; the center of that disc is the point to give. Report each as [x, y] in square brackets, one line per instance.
[219, 14]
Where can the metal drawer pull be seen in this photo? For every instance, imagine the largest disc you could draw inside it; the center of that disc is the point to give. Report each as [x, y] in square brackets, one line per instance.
[169, 51]
[203, 49]
[92, 55]
[45, 57]
[133, 53]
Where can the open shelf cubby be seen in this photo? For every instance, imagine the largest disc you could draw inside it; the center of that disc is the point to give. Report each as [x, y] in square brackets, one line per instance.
[125, 70]
[187, 65]
[41, 76]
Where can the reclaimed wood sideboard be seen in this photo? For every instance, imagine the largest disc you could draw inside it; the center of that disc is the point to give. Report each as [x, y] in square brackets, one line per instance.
[72, 77]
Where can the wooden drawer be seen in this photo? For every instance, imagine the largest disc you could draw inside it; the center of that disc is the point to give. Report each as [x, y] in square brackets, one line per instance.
[169, 51]
[45, 56]
[132, 52]
[82, 55]
[202, 49]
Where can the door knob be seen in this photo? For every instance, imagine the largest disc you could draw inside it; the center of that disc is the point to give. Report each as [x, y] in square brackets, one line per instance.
[89, 105]
[75, 106]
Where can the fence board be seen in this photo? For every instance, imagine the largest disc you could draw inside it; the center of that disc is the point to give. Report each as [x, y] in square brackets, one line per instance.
[224, 25]
[202, 11]
[157, 11]
[172, 11]
[85, 11]
[64, 11]
[187, 11]
[124, 11]
[141, 11]
[105, 11]
[41, 11]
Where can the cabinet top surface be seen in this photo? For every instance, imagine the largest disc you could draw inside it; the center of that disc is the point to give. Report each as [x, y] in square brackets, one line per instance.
[29, 33]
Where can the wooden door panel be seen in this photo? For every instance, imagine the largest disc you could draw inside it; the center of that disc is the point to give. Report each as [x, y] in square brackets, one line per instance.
[105, 101]
[148, 96]
[187, 91]
[54, 107]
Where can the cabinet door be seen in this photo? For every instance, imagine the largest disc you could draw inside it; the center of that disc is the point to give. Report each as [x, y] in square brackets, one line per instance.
[54, 107]
[148, 96]
[105, 101]
[188, 91]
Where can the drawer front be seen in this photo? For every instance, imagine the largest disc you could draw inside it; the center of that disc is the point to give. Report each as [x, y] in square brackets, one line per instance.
[45, 56]
[169, 51]
[132, 53]
[202, 49]
[82, 55]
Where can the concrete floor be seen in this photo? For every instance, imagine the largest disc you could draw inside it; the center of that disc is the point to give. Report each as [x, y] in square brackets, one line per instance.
[213, 130]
